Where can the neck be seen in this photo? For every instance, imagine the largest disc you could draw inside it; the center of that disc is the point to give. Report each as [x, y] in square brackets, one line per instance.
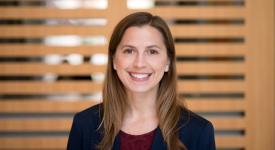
[141, 104]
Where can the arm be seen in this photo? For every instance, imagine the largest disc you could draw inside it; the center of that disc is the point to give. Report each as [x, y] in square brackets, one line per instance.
[207, 139]
[75, 137]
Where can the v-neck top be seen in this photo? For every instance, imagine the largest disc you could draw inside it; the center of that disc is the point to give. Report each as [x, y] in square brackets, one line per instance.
[136, 142]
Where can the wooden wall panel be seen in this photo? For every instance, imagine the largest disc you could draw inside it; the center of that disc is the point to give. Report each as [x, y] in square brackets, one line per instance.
[261, 104]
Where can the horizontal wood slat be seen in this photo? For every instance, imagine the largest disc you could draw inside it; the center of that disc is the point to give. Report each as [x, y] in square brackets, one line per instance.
[166, 12]
[40, 87]
[60, 142]
[33, 143]
[37, 87]
[66, 69]
[211, 68]
[197, 12]
[42, 69]
[181, 49]
[211, 49]
[72, 106]
[28, 31]
[36, 125]
[221, 105]
[227, 142]
[207, 31]
[228, 123]
[211, 86]
[50, 13]
[64, 124]
[42, 50]
[45, 106]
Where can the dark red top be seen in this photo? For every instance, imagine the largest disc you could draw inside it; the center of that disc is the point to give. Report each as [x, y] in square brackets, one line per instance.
[136, 142]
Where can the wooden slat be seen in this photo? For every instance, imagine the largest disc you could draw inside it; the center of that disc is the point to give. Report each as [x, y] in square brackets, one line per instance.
[207, 31]
[41, 87]
[60, 142]
[230, 142]
[166, 12]
[36, 125]
[228, 123]
[40, 69]
[28, 31]
[65, 69]
[211, 49]
[61, 106]
[44, 106]
[220, 105]
[64, 124]
[32, 143]
[197, 12]
[37, 87]
[44, 12]
[211, 86]
[42, 50]
[181, 49]
[211, 68]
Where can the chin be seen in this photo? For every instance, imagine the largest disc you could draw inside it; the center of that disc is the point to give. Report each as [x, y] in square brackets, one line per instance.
[140, 89]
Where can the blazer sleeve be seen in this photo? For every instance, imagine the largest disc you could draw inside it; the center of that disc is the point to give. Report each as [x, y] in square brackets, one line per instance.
[207, 138]
[75, 136]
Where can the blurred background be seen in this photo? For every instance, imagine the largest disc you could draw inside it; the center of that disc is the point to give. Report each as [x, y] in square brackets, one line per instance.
[53, 55]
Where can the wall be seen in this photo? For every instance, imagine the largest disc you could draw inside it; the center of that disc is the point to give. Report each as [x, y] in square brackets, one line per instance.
[52, 62]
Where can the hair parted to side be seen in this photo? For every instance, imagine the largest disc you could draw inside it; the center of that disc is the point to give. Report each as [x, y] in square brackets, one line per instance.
[114, 94]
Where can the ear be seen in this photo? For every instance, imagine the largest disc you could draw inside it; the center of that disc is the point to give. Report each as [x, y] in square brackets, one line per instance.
[114, 66]
[167, 68]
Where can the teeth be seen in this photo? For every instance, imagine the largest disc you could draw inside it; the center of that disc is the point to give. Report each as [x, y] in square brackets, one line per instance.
[139, 76]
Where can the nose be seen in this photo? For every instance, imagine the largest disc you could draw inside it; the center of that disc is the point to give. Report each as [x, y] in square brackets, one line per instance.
[140, 61]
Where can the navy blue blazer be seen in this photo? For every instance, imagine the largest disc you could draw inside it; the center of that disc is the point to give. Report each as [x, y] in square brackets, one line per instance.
[196, 132]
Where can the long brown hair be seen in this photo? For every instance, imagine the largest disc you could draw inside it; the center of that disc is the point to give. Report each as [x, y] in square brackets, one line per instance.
[114, 94]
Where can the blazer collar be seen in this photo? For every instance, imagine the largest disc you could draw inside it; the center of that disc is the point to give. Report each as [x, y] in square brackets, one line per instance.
[158, 142]
[116, 145]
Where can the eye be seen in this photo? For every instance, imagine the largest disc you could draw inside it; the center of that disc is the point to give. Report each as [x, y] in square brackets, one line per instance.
[128, 51]
[153, 52]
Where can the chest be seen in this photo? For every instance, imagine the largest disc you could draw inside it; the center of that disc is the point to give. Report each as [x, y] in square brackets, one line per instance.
[139, 126]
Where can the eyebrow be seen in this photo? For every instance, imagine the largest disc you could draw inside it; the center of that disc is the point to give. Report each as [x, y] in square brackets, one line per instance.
[127, 46]
[151, 46]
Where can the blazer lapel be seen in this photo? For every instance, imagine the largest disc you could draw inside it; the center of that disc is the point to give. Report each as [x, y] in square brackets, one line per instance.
[158, 141]
[116, 145]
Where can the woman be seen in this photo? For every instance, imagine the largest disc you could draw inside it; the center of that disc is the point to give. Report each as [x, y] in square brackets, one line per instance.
[140, 108]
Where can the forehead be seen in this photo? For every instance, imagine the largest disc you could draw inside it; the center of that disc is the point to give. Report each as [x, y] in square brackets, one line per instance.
[143, 35]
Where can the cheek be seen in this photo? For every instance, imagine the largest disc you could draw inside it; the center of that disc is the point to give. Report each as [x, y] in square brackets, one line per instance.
[159, 63]
[121, 63]
[160, 67]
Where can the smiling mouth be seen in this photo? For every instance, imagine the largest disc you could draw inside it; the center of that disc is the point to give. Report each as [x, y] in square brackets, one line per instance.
[140, 76]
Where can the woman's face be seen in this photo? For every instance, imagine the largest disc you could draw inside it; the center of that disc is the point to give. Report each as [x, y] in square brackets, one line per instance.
[141, 59]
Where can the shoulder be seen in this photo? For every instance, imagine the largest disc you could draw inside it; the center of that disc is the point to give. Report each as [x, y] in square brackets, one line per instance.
[196, 131]
[189, 118]
[89, 117]
[84, 131]
[91, 111]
